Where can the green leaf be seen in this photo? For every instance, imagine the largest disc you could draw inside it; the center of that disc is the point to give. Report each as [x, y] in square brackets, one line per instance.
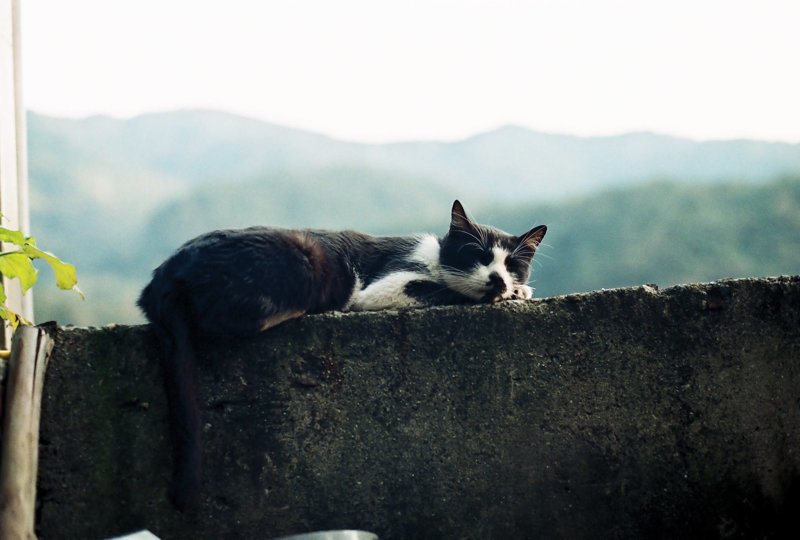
[66, 275]
[19, 264]
[11, 318]
[16, 264]
[14, 237]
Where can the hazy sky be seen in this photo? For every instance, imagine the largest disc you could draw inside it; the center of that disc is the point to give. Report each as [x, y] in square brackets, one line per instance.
[374, 70]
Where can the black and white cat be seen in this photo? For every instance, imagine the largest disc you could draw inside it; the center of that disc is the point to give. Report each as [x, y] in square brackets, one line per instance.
[240, 282]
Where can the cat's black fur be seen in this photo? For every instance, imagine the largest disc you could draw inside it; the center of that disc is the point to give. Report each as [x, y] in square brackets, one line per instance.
[240, 282]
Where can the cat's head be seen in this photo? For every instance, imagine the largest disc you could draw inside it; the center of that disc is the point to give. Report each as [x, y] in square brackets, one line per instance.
[484, 263]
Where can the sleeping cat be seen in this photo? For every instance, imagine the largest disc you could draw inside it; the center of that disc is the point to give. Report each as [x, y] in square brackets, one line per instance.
[240, 282]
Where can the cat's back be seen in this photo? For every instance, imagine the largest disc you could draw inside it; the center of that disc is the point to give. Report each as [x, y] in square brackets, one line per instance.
[236, 263]
[232, 250]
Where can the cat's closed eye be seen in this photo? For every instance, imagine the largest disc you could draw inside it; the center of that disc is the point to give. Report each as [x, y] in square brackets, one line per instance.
[475, 252]
[517, 265]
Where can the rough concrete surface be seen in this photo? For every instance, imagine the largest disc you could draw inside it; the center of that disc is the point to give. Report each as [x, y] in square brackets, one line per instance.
[627, 413]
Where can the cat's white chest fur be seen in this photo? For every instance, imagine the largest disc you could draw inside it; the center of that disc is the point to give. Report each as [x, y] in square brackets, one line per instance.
[390, 290]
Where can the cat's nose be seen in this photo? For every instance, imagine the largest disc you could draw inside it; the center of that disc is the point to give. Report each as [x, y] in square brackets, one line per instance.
[498, 286]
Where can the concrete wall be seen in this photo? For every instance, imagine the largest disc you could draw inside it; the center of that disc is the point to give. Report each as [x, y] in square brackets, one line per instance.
[617, 414]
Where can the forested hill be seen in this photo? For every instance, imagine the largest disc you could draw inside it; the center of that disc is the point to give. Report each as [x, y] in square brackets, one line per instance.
[116, 196]
[664, 233]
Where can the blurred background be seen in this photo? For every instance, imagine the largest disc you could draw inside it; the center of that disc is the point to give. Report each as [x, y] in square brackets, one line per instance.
[660, 142]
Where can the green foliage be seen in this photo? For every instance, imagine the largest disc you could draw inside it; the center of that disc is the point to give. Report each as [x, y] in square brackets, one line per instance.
[664, 233]
[368, 200]
[19, 264]
[661, 233]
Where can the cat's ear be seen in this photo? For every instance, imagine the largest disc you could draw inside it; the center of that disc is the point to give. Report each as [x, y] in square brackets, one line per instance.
[533, 237]
[458, 218]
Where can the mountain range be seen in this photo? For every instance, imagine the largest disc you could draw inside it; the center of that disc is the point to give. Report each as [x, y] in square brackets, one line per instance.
[205, 146]
[116, 196]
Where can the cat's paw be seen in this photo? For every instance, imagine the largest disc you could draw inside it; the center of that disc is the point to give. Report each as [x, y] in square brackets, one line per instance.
[523, 292]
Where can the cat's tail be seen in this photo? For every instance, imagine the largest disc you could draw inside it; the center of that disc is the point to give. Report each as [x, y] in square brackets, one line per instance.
[169, 319]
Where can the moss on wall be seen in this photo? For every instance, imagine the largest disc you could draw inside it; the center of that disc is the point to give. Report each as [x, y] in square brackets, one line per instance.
[622, 413]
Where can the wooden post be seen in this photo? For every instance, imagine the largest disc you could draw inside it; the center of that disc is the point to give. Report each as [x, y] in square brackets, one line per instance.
[13, 147]
[19, 447]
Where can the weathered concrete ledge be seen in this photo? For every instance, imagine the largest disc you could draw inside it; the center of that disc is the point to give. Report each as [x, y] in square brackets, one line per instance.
[618, 414]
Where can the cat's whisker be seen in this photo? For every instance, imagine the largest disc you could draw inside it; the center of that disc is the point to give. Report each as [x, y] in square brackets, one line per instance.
[435, 292]
[471, 244]
[543, 252]
[468, 287]
[480, 240]
[469, 279]
[523, 252]
[455, 271]
[482, 234]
